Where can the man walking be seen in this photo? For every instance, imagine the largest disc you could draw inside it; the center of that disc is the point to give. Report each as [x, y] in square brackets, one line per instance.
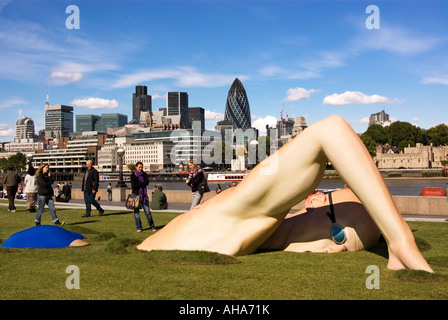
[11, 180]
[90, 184]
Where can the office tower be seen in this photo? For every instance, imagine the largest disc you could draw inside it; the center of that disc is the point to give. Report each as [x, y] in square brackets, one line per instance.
[58, 121]
[196, 114]
[381, 118]
[112, 120]
[177, 107]
[91, 122]
[86, 122]
[141, 102]
[24, 128]
[237, 106]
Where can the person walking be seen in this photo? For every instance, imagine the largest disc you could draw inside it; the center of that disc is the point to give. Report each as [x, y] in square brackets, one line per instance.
[194, 179]
[31, 189]
[139, 182]
[45, 194]
[90, 184]
[109, 192]
[11, 180]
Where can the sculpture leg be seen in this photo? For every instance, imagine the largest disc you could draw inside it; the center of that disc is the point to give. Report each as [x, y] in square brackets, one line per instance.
[347, 153]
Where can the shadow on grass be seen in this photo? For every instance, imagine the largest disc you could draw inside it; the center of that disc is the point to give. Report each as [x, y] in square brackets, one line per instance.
[117, 213]
[190, 257]
[382, 250]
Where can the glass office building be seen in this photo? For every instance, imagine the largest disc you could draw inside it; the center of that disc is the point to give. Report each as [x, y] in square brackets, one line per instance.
[237, 106]
[58, 121]
[91, 122]
[177, 105]
[141, 102]
[86, 122]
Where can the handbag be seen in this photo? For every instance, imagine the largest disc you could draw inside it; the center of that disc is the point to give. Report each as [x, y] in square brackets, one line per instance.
[203, 187]
[133, 201]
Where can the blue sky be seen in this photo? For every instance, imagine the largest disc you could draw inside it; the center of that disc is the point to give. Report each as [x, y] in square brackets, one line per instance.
[312, 58]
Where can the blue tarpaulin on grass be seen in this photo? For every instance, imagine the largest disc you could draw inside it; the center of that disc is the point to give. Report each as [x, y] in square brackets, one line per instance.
[44, 236]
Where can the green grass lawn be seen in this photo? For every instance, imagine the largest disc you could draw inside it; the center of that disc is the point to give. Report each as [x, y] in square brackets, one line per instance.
[112, 268]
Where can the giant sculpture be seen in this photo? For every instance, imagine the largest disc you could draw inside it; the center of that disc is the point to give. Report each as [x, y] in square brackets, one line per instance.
[252, 215]
[44, 236]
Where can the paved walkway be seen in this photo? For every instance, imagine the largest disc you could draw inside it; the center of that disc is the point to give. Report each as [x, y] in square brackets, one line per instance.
[183, 207]
[106, 205]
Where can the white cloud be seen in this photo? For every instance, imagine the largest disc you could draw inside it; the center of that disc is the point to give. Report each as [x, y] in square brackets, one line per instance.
[68, 77]
[260, 123]
[95, 103]
[355, 97]
[364, 120]
[6, 130]
[158, 96]
[213, 115]
[296, 94]
[399, 41]
[12, 103]
[435, 80]
[184, 76]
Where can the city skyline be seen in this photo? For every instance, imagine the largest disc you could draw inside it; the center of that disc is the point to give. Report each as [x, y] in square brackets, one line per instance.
[310, 59]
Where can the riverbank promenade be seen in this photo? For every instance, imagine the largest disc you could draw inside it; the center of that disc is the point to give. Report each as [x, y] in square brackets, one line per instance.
[412, 208]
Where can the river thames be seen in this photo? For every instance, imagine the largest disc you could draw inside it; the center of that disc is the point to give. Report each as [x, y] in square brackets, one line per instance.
[397, 186]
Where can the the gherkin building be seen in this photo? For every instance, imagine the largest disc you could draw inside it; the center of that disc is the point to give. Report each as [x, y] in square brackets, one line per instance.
[237, 106]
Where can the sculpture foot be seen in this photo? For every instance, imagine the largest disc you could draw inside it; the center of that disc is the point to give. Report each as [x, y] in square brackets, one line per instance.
[407, 257]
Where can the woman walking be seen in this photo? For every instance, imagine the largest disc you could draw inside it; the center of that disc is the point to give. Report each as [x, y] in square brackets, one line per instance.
[45, 194]
[31, 189]
[194, 180]
[139, 182]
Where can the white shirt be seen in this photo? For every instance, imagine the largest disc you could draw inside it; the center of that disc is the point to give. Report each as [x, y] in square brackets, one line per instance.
[30, 184]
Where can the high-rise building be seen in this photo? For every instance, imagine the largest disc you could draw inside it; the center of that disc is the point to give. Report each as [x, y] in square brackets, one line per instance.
[381, 118]
[91, 122]
[24, 128]
[58, 121]
[112, 120]
[141, 102]
[196, 114]
[177, 107]
[86, 122]
[237, 106]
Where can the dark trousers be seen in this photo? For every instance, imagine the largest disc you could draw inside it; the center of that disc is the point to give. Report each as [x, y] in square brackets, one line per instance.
[11, 191]
[89, 199]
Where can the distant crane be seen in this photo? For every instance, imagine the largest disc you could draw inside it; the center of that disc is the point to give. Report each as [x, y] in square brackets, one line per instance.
[289, 111]
[281, 113]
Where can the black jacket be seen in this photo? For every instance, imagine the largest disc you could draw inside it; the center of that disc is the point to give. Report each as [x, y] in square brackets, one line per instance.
[92, 182]
[136, 184]
[196, 180]
[44, 187]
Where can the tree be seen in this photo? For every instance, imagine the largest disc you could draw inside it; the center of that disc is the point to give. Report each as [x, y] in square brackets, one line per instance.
[437, 135]
[377, 133]
[370, 144]
[18, 160]
[400, 134]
